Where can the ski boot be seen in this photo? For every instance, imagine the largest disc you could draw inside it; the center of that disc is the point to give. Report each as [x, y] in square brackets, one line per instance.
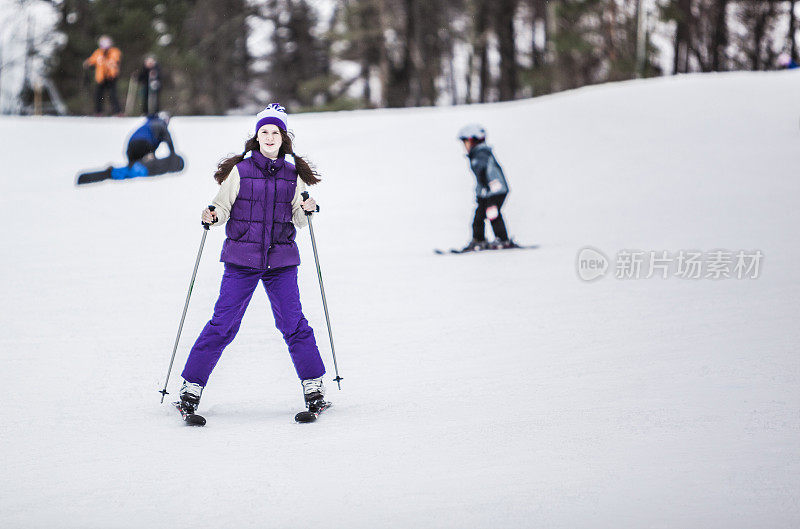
[190, 396]
[503, 245]
[190, 400]
[475, 246]
[314, 395]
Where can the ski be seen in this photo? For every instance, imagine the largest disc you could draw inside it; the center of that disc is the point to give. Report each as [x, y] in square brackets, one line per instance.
[438, 251]
[311, 415]
[190, 418]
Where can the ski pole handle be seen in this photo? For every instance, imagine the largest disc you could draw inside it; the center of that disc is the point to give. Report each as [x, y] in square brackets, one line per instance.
[304, 194]
[206, 225]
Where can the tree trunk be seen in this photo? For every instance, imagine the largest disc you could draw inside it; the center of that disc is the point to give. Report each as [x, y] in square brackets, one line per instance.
[792, 31]
[720, 41]
[452, 85]
[538, 18]
[759, 34]
[551, 11]
[398, 86]
[430, 48]
[481, 49]
[504, 27]
[412, 55]
[470, 72]
[682, 37]
[483, 88]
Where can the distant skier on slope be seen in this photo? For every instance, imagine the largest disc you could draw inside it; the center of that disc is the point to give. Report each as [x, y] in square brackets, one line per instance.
[260, 198]
[491, 190]
[146, 139]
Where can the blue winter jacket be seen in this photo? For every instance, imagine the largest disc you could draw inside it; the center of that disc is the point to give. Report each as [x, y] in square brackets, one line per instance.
[490, 180]
[154, 131]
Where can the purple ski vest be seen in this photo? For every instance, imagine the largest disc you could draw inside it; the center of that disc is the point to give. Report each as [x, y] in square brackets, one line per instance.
[260, 229]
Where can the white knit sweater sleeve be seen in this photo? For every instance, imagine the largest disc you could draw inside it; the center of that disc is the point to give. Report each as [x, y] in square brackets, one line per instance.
[226, 196]
[298, 216]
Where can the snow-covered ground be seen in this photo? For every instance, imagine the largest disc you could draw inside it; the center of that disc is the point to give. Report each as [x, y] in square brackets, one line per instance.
[487, 390]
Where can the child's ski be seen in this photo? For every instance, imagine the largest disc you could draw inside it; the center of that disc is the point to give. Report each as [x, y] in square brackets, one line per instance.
[490, 249]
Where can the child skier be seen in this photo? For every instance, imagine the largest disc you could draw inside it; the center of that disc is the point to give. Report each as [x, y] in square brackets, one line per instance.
[260, 198]
[491, 190]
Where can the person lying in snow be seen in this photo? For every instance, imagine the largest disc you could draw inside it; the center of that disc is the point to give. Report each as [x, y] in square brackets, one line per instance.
[145, 140]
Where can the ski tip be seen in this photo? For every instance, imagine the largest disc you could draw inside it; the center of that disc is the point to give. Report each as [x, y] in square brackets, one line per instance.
[305, 416]
[196, 420]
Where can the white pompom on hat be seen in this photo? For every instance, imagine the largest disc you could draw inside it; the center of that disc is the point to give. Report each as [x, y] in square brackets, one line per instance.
[273, 114]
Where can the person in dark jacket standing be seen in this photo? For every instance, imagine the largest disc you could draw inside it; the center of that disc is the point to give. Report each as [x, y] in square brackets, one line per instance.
[491, 190]
[260, 197]
[145, 140]
[149, 79]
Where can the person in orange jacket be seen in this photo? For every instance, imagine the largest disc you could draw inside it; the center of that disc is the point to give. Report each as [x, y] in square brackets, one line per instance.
[105, 60]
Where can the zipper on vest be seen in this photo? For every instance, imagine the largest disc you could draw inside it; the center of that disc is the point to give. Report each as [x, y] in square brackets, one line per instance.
[274, 201]
[263, 239]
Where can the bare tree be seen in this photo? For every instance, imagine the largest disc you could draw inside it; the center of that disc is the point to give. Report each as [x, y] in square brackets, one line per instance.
[503, 14]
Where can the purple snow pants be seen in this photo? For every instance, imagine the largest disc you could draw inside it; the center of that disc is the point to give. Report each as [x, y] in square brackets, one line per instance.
[238, 285]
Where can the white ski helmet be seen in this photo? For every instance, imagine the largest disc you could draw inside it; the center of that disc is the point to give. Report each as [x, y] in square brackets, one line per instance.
[472, 131]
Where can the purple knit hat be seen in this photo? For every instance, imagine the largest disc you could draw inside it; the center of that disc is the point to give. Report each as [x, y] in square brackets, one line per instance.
[274, 114]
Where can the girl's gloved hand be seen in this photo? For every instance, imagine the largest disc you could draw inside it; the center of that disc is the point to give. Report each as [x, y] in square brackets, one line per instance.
[309, 204]
[209, 217]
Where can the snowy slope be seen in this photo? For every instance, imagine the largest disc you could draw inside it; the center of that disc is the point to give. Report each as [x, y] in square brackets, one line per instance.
[489, 390]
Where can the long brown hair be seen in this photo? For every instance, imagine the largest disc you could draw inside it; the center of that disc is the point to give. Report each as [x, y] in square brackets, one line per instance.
[306, 172]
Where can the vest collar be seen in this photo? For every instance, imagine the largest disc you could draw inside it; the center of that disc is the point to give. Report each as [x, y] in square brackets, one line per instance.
[262, 162]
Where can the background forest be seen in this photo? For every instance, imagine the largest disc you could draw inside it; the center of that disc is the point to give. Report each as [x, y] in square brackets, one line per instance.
[228, 56]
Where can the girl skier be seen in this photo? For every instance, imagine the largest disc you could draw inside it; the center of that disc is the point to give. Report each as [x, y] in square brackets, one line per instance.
[260, 198]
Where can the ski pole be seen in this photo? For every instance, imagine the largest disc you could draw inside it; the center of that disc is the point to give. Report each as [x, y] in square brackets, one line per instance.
[338, 379]
[206, 226]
